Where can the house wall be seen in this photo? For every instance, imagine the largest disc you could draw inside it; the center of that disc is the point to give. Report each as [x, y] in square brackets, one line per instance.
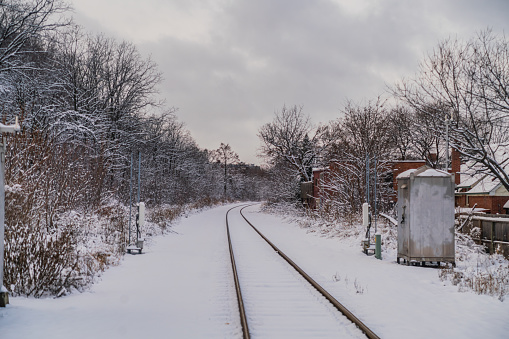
[497, 204]
[316, 183]
[493, 204]
[319, 178]
[460, 200]
[399, 167]
[482, 201]
[456, 165]
[501, 191]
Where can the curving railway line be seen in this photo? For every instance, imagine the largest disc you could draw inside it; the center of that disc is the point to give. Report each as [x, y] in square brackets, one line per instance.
[276, 298]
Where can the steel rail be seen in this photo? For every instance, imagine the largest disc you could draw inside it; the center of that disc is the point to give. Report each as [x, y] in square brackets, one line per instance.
[240, 301]
[365, 329]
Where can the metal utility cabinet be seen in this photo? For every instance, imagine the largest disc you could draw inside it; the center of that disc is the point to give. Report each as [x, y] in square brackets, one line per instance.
[426, 216]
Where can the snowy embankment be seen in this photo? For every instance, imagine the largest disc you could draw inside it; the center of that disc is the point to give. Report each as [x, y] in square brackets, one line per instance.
[279, 303]
[181, 287]
[395, 301]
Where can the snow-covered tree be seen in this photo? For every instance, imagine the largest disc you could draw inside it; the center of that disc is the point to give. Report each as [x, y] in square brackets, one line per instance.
[21, 22]
[291, 139]
[363, 133]
[226, 157]
[468, 83]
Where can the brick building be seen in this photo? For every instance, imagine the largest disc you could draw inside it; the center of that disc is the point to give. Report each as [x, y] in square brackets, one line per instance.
[322, 177]
[400, 166]
[480, 190]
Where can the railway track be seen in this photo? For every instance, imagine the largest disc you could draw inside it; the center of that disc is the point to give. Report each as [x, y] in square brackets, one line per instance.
[276, 298]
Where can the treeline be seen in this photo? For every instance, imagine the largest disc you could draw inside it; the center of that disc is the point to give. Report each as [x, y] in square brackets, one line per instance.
[87, 105]
[460, 92]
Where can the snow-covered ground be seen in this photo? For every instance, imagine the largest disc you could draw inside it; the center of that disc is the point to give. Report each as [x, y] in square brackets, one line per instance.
[279, 303]
[181, 287]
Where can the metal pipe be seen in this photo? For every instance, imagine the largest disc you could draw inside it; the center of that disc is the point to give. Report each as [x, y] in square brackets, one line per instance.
[367, 178]
[4, 129]
[378, 246]
[375, 200]
[130, 197]
[2, 212]
[139, 175]
[446, 142]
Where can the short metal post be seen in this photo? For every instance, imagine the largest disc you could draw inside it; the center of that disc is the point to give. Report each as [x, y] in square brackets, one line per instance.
[378, 246]
[374, 196]
[447, 119]
[139, 176]
[4, 295]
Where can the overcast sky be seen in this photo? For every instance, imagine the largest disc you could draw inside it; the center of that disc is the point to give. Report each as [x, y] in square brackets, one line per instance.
[228, 65]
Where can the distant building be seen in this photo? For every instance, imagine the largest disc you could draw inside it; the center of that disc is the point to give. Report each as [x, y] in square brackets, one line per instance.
[400, 166]
[481, 190]
[320, 184]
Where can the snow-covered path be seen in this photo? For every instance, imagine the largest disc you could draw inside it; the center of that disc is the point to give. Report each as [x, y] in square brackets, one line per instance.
[395, 301]
[182, 287]
[279, 302]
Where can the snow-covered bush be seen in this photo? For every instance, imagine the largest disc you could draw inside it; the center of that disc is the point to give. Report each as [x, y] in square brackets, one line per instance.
[475, 269]
[39, 263]
[56, 260]
[164, 215]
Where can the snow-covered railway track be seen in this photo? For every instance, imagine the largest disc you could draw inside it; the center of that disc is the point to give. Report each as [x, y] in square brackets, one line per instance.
[279, 300]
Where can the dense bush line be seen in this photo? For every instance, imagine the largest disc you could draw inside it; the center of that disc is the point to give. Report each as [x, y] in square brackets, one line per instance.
[88, 106]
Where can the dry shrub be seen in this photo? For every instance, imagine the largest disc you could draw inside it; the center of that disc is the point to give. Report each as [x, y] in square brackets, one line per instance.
[43, 181]
[164, 215]
[477, 271]
[112, 217]
[486, 279]
[42, 260]
[101, 261]
[39, 263]
[204, 202]
[40, 257]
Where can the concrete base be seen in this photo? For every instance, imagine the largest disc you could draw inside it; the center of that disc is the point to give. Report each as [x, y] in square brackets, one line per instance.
[4, 299]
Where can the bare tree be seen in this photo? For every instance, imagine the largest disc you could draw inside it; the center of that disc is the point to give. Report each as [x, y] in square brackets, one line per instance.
[225, 156]
[467, 82]
[365, 129]
[292, 139]
[22, 21]
[365, 132]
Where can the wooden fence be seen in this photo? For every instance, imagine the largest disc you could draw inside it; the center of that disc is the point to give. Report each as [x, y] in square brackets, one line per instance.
[493, 231]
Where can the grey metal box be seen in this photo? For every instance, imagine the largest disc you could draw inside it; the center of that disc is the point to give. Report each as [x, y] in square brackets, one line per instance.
[426, 216]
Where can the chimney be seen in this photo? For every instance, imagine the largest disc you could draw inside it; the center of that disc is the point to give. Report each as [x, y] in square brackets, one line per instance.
[456, 165]
[432, 159]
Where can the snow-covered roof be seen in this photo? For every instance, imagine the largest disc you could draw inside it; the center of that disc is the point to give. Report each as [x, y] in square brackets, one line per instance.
[468, 181]
[320, 169]
[406, 174]
[506, 205]
[486, 185]
[473, 178]
[471, 210]
[406, 161]
[423, 171]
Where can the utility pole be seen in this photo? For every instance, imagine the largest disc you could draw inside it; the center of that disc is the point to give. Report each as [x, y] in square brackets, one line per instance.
[130, 199]
[4, 296]
[135, 239]
[225, 175]
[447, 120]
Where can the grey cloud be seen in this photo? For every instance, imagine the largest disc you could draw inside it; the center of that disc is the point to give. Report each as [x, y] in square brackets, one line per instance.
[263, 54]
